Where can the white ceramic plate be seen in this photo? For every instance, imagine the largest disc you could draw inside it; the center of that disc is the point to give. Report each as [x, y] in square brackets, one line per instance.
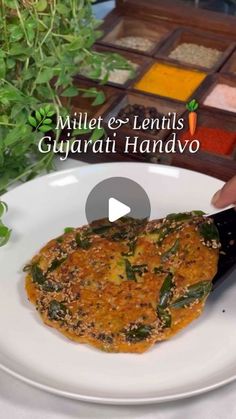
[199, 359]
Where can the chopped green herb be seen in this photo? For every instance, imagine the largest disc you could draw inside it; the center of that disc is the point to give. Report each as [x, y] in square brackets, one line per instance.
[172, 251]
[68, 229]
[164, 232]
[37, 274]
[164, 316]
[59, 239]
[131, 246]
[194, 292]
[56, 310]
[209, 231]
[198, 212]
[56, 263]
[166, 290]
[137, 333]
[129, 271]
[120, 235]
[82, 242]
[102, 229]
[182, 216]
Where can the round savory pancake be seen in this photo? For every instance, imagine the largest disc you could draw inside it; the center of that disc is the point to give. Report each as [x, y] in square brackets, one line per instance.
[124, 286]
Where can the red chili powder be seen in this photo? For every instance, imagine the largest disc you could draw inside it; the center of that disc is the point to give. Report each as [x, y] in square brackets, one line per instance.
[214, 140]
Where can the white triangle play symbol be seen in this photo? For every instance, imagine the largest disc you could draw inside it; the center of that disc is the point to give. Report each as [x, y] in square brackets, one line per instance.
[117, 209]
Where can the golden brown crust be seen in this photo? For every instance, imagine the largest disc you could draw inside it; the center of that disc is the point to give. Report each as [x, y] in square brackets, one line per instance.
[125, 286]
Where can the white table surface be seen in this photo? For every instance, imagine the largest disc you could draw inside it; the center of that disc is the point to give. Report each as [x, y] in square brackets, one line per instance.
[20, 401]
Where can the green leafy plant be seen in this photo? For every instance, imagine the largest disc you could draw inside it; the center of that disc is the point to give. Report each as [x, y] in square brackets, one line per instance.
[43, 45]
[5, 232]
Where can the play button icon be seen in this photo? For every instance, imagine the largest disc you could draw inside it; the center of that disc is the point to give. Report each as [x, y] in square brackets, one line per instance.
[117, 210]
[117, 197]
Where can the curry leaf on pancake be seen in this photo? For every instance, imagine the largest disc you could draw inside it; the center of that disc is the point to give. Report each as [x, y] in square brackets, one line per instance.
[170, 252]
[195, 292]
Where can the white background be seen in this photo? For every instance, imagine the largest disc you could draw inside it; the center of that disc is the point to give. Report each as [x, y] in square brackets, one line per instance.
[19, 401]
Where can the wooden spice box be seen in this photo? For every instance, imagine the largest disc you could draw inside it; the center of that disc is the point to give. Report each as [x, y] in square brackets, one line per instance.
[207, 87]
[162, 106]
[126, 26]
[200, 38]
[230, 65]
[177, 23]
[216, 164]
[170, 64]
[141, 61]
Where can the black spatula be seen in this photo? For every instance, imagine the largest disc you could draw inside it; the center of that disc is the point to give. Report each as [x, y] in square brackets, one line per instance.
[226, 224]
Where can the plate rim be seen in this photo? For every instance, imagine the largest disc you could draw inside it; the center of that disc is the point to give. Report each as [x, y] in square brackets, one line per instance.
[100, 399]
[87, 167]
[118, 400]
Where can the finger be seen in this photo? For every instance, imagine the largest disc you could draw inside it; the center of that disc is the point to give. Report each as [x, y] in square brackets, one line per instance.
[226, 196]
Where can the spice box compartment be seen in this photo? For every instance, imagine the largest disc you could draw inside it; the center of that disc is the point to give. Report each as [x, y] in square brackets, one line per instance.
[123, 78]
[230, 65]
[143, 106]
[218, 91]
[216, 133]
[142, 36]
[165, 79]
[182, 13]
[197, 49]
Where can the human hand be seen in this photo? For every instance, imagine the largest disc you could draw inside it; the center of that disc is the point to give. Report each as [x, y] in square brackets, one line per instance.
[225, 196]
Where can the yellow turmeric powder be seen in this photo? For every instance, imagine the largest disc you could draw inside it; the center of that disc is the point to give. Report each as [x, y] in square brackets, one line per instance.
[170, 81]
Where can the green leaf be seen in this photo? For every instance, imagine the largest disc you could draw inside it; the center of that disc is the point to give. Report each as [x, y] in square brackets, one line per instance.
[41, 5]
[166, 290]
[82, 242]
[37, 274]
[62, 9]
[38, 116]
[5, 234]
[209, 231]
[32, 121]
[68, 229]
[138, 332]
[56, 263]
[170, 252]
[2, 68]
[195, 292]
[45, 76]
[3, 208]
[50, 113]
[100, 99]
[45, 128]
[70, 92]
[97, 134]
[16, 33]
[47, 121]
[42, 111]
[130, 274]
[164, 316]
